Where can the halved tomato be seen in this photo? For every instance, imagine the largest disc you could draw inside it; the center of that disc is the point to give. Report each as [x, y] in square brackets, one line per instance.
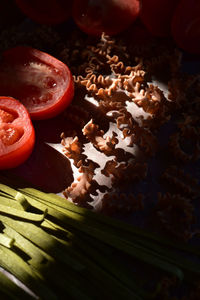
[17, 135]
[46, 11]
[40, 81]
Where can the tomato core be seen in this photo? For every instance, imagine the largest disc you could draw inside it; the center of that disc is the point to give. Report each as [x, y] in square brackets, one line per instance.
[33, 83]
[10, 135]
[7, 116]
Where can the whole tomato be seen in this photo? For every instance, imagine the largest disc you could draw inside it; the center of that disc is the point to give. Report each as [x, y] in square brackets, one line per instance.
[46, 11]
[156, 15]
[109, 16]
[10, 14]
[186, 25]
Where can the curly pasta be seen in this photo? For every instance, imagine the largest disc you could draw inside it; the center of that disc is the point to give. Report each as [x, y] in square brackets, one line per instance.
[113, 203]
[182, 181]
[176, 214]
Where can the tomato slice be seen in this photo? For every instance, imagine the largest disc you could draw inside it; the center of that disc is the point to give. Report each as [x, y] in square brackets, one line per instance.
[111, 16]
[17, 135]
[40, 81]
[46, 11]
[186, 26]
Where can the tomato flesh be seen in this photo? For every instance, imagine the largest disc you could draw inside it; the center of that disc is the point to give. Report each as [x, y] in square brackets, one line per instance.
[10, 135]
[17, 135]
[41, 82]
[111, 16]
[7, 116]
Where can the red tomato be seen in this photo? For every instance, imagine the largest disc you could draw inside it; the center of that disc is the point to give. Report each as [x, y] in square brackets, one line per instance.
[10, 14]
[46, 11]
[41, 82]
[156, 15]
[110, 16]
[186, 25]
[17, 135]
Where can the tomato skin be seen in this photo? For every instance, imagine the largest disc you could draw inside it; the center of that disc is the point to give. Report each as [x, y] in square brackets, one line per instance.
[10, 14]
[156, 15]
[186, 26]
[48, 12]
[40, 81]
[110, 16]
[15, 150]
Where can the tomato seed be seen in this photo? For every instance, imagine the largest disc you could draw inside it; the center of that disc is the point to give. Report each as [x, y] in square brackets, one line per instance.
[49, 82]
[9, 135]
[6, 117]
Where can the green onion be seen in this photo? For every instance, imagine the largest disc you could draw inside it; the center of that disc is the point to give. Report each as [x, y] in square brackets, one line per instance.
[22, 200]
[82, 248]
[14, 264]
[11, 290]
[112, 225]
[6, 240]
[36, 254]
[22, 214]
[45, 241]
[10, 202]
[71, 219]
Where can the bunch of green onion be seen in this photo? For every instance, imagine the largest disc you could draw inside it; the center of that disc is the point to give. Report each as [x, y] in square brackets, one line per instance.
[56, 248]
